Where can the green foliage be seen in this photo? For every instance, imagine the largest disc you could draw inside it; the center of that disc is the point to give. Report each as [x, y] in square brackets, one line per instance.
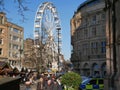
[71, 79]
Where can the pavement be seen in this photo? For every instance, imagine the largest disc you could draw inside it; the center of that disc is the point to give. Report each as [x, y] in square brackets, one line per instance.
[33, 87]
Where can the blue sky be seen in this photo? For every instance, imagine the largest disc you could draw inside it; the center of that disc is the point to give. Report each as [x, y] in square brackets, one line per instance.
[65, 8]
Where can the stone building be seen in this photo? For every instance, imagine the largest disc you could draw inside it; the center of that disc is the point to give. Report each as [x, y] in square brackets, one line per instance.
[11, 42]
[112, 80]
[88, 38]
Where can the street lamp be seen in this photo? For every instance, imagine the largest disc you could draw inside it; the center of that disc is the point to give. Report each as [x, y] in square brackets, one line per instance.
[58, 31]
[20, 50]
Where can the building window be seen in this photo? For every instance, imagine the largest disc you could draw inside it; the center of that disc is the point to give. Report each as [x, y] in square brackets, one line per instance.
[21, 40]
[15, 55]
[94, 19]
[85, 49]
[85, 33]
[86, 21]
[10, 28]
[10, 54]
[15, 46]
[103, 30]
[1, 41]
[1, 30]
[94, 31]
[21, 33]
[15, 38]
[103, 16]
[10, 46]
[16, 30]
[0, 51]
[10, 37]
[103, 47]
[94, 47]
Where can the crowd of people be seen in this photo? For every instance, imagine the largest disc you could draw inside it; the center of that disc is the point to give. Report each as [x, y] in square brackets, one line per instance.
[44, 82]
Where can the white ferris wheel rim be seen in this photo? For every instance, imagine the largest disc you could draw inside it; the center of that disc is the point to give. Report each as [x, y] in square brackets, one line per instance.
[39, 16]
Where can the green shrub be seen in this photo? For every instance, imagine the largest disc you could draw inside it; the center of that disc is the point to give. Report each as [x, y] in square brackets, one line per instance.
[71, 79]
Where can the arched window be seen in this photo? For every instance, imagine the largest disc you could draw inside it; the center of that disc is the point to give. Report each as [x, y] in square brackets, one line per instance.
[95, 68]
[103, 69]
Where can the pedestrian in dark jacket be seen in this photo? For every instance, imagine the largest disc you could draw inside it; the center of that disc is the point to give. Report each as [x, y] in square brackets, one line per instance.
[49, 85]
[56, 86]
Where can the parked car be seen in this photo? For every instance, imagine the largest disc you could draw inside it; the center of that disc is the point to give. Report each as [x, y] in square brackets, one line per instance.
[84, 77]
[92, 83]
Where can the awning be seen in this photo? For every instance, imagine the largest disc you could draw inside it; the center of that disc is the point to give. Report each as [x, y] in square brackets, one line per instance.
[4, 65]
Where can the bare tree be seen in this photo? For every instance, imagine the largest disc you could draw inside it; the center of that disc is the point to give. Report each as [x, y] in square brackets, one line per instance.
[21, 7]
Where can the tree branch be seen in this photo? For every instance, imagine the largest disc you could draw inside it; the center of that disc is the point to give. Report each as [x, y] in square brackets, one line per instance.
[2, 5]
[22, 7]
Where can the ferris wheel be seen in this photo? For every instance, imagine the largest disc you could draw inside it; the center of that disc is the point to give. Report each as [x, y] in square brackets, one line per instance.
[47, 29]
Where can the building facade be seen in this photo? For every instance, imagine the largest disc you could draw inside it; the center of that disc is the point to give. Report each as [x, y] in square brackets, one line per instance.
[3, 38]
[88, 38]
[112, 80]
[11, 42]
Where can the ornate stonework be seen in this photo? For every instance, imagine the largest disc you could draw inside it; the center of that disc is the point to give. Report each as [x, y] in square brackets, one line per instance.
[88, 38]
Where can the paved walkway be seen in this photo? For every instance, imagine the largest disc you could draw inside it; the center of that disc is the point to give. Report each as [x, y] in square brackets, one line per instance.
[33, 87]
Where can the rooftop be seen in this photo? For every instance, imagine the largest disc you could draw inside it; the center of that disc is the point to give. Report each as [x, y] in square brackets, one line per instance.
[88, 2]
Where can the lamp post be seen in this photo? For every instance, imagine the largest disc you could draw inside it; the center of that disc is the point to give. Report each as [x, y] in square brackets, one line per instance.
[20, 50]
[58, 32]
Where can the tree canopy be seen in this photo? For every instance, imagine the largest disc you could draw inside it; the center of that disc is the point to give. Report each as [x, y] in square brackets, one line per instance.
[71, 79]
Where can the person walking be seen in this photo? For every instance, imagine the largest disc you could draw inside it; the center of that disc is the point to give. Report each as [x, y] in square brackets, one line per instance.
[49, 85]
[56, 86]
[40, 85]
[29, 81]
[28, 85]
